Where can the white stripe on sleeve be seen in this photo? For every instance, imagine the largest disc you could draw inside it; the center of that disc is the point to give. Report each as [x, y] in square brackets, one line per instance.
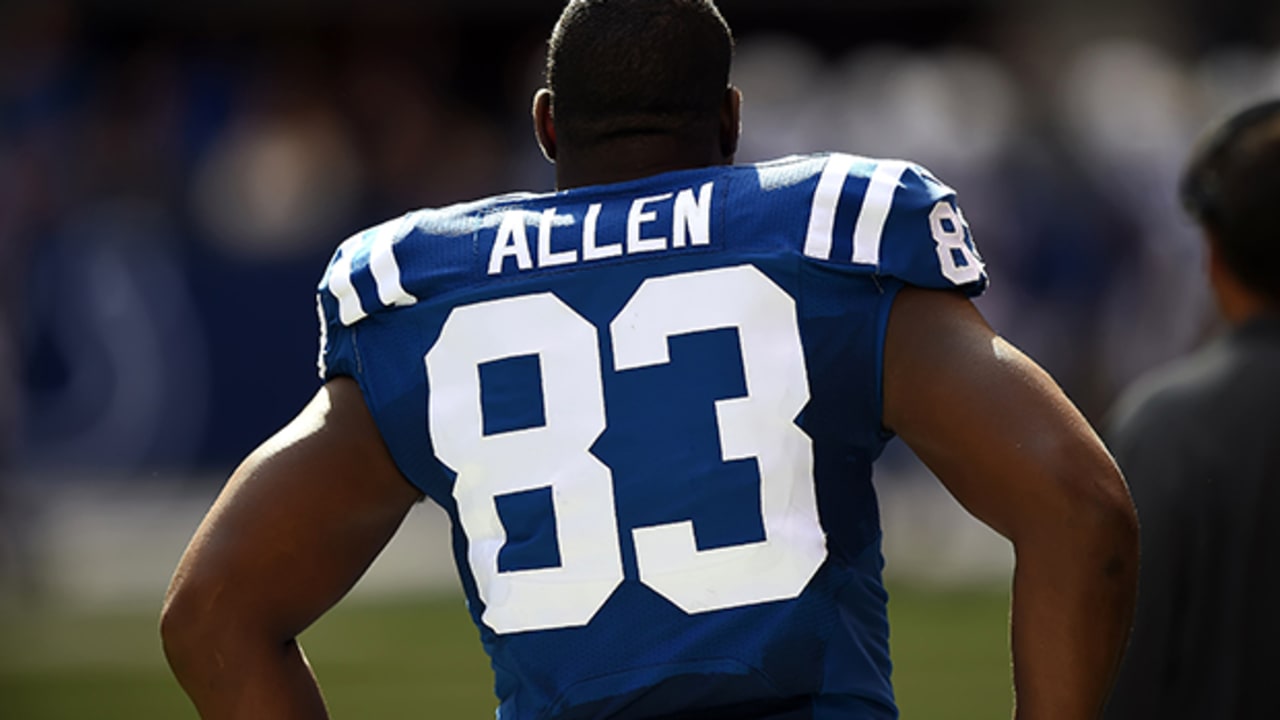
[822, 217]
[350, 310]
[386, 271]
[321, 365]
[875, 211]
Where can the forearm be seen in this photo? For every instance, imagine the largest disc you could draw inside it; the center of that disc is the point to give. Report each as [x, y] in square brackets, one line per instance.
[1073, 598]
[240, 678]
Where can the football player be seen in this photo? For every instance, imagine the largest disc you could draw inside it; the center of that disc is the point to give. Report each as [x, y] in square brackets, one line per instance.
[649, 403]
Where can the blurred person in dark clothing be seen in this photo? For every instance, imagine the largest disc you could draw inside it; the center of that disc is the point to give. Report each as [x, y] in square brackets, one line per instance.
[1200, 445]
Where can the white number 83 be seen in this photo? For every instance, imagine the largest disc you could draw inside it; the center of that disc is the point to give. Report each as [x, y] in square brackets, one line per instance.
[557, 455]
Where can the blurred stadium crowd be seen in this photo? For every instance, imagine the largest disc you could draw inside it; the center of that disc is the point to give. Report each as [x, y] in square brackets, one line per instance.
[173, 178]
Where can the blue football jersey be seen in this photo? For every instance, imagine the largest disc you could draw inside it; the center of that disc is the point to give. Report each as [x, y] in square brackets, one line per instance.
[650, 410]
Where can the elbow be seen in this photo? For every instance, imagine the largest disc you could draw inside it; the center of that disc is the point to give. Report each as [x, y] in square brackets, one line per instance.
[1080, 509]
[179, 625]
[189, 625]
[1096, 514]
[1114, 524]
[1106, 502]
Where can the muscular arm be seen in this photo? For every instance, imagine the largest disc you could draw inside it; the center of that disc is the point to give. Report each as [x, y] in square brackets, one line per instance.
[295, 527]
[1015, 452]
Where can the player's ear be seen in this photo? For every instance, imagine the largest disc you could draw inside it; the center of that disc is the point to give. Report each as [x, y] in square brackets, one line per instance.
[544, 125]
[730, 122]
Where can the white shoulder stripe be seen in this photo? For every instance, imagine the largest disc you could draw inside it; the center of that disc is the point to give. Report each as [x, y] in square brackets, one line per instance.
[822, 217]
[875, 211]
[350, 311]
[321, 366]
[386, 271]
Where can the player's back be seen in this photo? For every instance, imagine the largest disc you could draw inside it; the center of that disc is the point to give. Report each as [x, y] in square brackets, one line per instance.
[650, 410]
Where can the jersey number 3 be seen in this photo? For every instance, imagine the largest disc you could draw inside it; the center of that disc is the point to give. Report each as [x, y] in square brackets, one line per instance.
[557, 455]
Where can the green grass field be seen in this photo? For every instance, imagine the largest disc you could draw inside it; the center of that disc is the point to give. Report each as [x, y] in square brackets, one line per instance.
[420, 658]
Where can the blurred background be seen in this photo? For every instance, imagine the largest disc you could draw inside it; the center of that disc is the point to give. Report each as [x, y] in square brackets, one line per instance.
[174, 177]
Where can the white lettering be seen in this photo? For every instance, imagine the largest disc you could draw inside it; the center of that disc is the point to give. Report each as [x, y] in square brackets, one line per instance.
[512, 241]
[692, 217]
[690, 227]
[639, 216]
[546, 258]
[591, 251]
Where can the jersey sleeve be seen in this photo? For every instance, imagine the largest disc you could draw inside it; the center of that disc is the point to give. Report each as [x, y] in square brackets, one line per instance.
[905, 224]
[362, 278]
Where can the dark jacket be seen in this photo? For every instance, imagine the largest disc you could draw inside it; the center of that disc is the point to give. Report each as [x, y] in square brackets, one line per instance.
[1200, 445]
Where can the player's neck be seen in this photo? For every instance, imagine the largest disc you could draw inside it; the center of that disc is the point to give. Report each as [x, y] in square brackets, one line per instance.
[631, 159]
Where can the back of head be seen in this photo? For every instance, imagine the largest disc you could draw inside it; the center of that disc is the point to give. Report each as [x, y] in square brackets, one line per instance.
[618, 68]
[1232, 188]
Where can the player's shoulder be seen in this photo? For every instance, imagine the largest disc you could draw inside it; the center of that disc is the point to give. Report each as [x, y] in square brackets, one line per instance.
[849, 169]
[883, 216]
[388, 264]
[834, 187]
[366, 255]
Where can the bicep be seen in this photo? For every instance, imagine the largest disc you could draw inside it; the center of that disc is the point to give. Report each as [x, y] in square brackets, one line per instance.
[990, 423]
[300, 520]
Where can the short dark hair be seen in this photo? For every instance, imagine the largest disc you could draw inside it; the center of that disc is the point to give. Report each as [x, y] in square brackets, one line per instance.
[625, 67]
[1232, 186]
